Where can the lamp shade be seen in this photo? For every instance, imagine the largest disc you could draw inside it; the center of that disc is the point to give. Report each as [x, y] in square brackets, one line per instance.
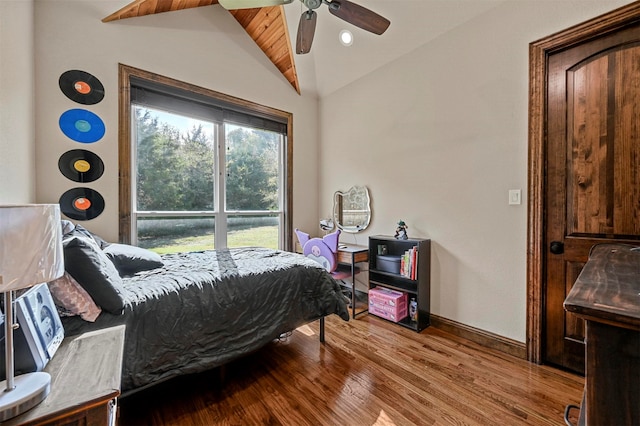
[30, 245]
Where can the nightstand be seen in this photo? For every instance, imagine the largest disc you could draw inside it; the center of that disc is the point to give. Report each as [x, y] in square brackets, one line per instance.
[350, 254]
[85, 382]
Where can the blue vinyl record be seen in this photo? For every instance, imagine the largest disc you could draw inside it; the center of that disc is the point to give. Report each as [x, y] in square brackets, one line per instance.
[82, 125]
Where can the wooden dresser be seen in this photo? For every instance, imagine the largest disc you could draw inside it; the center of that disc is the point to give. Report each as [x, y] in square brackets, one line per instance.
[85, 382]
[607, 296]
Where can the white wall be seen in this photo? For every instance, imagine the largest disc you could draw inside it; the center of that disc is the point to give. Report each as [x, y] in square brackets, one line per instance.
[439, 137]
[17, 147]
[203, 46]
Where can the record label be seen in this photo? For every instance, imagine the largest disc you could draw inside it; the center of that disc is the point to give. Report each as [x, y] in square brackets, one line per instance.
[81, 87]
[82, 125]
[81, 204]
[81, 165]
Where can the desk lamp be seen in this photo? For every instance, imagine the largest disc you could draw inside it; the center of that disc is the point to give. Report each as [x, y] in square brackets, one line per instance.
[30, 254]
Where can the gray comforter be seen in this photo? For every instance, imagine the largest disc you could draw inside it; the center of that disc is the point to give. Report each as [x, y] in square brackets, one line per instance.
[204, 309]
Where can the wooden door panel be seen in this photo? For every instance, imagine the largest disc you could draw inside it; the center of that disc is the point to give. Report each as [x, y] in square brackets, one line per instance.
[627, 125]
[574, 326]
[587, 106]
[593, 171]
[603, 183]
[567, 350]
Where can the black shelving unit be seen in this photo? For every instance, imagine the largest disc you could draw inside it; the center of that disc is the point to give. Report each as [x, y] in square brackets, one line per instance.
[418, 288]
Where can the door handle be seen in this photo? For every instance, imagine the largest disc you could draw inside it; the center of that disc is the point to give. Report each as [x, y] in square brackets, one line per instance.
[556, 247]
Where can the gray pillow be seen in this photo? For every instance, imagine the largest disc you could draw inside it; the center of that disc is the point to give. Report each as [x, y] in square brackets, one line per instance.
[131, 259]
[80, 231]
[67, 226]
[93, 270]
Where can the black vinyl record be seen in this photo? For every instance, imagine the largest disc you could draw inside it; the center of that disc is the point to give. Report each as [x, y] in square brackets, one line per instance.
[81, 165]
[81, 87]
[81, 204]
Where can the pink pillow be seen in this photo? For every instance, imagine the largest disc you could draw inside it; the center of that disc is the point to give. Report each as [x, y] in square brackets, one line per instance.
[74, 299]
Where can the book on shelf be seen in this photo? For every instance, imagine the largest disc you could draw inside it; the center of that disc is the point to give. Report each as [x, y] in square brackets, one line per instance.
[409, 263]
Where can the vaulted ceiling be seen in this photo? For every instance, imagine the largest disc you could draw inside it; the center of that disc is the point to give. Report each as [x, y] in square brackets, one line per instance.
[330, 66]
[267, 26]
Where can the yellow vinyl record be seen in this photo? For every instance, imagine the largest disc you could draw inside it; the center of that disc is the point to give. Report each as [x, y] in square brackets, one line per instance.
[81, 165]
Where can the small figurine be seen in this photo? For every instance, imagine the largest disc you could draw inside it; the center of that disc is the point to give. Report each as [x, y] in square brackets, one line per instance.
[401, 231]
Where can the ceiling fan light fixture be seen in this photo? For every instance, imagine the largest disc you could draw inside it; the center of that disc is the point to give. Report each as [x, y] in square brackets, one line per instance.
[346, 38]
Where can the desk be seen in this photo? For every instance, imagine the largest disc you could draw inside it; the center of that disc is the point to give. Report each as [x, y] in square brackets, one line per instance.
[85, 382]
[350, 254]
[605, 295]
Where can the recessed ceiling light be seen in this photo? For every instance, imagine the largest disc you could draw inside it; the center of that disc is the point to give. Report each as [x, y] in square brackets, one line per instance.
[346, 38]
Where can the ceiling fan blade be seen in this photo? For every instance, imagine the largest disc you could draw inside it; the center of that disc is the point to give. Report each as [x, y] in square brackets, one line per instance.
[250, 4]
[306, 30]
[359, 16]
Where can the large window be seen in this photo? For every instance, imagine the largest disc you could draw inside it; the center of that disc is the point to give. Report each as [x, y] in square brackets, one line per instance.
[205, 170]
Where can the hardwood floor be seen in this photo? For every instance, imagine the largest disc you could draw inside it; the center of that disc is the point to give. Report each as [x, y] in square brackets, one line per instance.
[369, 372]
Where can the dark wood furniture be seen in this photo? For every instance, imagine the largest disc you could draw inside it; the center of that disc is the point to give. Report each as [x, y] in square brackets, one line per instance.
[85, 382]
[419, 288]
[607, 296]
[349, 255]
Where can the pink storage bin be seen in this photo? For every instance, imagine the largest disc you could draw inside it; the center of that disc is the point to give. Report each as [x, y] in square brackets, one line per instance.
[387, 312]
[388, 304]
[385, 296]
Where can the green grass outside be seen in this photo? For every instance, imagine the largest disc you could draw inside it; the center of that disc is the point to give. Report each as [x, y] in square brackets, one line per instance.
[261, 236]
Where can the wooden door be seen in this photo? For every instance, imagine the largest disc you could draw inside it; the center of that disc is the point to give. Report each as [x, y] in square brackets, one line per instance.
[592, 188]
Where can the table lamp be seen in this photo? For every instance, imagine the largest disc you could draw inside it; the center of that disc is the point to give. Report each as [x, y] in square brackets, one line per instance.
[30, 253]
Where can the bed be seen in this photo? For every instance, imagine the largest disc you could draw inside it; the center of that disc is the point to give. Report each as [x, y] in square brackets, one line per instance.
[201, 310]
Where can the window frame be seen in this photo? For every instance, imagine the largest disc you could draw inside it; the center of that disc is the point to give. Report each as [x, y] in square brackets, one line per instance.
[126, 159]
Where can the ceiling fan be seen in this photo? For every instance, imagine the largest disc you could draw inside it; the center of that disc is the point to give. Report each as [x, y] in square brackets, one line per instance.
[350, 12]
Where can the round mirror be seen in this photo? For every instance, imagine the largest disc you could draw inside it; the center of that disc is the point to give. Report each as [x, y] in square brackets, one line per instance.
[352, 209]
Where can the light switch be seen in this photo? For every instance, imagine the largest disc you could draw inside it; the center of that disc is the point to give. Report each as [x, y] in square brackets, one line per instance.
[514, 197]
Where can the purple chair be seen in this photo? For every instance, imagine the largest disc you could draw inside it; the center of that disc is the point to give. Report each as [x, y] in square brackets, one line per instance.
[324, 251]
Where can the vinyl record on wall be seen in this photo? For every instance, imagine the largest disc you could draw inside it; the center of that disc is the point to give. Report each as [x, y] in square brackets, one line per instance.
[82, 125]
[81, 87]
[81, 204]
[81, 165]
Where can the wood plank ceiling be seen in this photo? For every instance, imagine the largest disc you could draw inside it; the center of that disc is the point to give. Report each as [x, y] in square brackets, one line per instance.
[267, 26]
